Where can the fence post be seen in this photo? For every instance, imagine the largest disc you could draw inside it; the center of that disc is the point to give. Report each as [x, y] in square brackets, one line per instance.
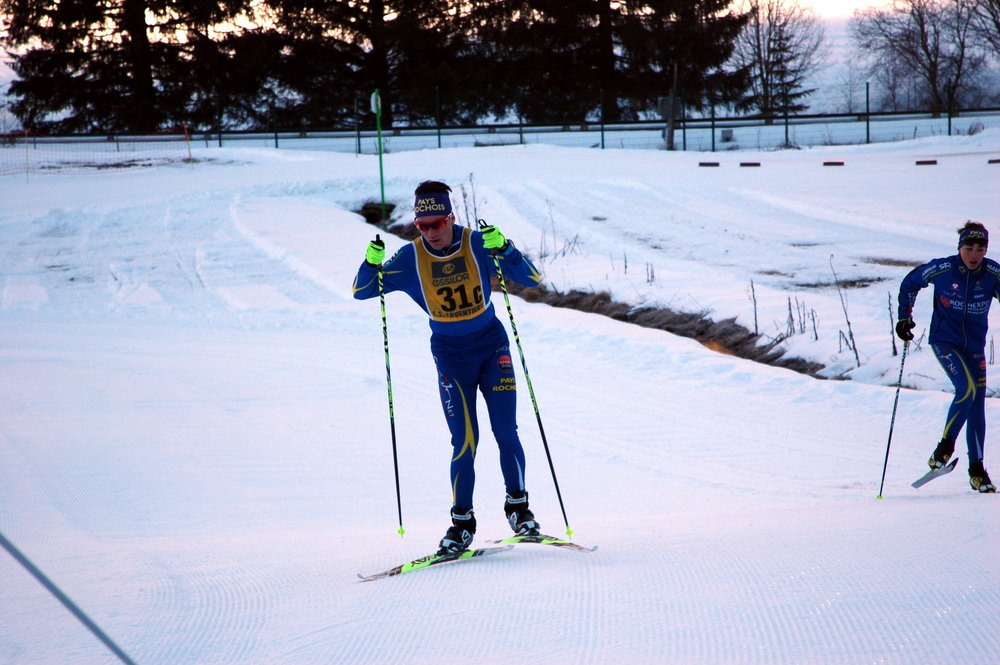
[602, 117]
[868, 113]
[437, 112]
[713, 126]
[357, 123]
[684, 126]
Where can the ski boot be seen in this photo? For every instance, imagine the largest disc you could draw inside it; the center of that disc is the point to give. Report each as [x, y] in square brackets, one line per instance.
[942, 454]
[979, 479]
[519, 516]
[459, 535]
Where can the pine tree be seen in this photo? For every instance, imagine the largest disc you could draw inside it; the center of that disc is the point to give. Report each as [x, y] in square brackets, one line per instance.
[339, 52]
[780, 47]
[95, 66]
[550, 61]
[696, 36]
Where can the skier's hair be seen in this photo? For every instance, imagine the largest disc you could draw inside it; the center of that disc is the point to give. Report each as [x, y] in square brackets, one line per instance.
[432, 187]
[973, 233]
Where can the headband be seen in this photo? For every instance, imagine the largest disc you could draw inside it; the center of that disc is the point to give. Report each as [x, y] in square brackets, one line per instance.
[433, 204]
[974, 236]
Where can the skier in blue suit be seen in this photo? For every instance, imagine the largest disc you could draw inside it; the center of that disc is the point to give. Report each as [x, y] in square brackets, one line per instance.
[448, 272]
[964, 287]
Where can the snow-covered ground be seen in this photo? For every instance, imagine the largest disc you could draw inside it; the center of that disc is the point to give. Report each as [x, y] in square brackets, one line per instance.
[194, 431]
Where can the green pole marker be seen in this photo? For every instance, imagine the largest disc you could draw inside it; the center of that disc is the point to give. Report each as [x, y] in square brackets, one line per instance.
[377, 110]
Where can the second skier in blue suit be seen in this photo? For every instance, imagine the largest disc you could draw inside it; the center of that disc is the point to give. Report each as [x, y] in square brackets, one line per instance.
[965, 285]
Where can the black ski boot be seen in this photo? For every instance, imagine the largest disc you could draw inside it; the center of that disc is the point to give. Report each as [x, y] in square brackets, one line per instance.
[979, 479]
[942, 454]
[519, 516]
[459, 535]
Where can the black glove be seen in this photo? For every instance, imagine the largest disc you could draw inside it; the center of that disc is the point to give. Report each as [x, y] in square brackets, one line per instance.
[904, 329]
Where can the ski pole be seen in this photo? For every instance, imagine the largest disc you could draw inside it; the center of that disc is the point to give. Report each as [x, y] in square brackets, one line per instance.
[531, 390]
[65, 600]
[388, 381]
[892, 421]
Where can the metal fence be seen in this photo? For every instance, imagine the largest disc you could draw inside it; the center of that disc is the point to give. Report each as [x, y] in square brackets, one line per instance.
[702, 134]
[20, 154]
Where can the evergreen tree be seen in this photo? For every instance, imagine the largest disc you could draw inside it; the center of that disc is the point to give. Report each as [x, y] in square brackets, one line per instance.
[695, 36]
[80, 60]
[780, 46]
[318, 77]
[552, 61]
[141, 65]
[120, 65]
[339, 52]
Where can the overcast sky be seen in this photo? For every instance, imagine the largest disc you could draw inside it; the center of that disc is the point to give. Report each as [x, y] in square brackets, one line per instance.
[841, 8]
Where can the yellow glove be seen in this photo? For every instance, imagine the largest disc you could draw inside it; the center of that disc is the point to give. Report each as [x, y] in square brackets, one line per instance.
[493, 239]
[375, 252]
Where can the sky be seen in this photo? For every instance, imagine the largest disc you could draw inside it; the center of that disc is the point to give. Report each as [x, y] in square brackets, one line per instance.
[196, 444]
[839, 9]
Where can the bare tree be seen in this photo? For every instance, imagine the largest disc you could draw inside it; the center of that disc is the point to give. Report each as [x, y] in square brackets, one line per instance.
[986, 22]
[851, 85]
[781, 47]
[931, 40]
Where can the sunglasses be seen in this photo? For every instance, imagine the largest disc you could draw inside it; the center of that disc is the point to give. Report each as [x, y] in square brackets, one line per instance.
[431, 224]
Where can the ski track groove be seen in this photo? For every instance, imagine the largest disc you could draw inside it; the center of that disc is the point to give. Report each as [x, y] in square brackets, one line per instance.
[218, 604]
[228, 603]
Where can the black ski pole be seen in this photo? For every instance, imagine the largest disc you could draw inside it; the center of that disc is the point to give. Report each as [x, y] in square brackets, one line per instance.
[531, 390]
[65, 600]
[388, 381]
[892, 421]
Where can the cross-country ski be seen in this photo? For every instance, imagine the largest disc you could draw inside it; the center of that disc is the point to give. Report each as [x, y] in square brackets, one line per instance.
[434, 560]
[542, 539]
[934, 473]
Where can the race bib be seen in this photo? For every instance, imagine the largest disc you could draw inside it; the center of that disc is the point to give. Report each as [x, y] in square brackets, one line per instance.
[452, 286]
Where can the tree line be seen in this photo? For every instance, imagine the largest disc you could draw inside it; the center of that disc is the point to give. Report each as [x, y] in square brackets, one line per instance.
[149, 65]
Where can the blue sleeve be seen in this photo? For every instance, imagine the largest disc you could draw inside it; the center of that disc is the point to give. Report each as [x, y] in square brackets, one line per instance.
[398, 274]
[916, 279]
[520, 269]
[366, 282]
[993, 268]
[513, 263]
[908, 290]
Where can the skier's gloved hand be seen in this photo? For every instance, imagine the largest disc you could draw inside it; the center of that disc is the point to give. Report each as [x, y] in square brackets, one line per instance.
[904, 329]
[493, 239]
[375, 252]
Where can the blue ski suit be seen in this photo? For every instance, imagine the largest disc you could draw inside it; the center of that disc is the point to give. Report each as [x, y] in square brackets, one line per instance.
[470, 346]
[959, 322]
